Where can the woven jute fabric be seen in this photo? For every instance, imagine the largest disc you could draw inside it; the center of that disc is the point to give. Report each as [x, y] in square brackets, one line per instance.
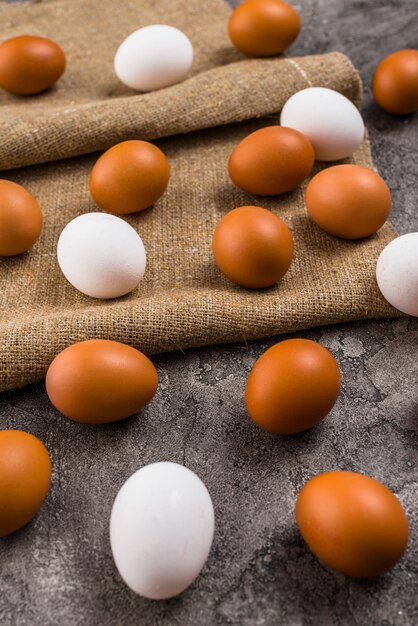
[183, 299]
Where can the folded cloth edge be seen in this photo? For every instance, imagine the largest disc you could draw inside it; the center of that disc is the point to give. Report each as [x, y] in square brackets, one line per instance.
[223, 95]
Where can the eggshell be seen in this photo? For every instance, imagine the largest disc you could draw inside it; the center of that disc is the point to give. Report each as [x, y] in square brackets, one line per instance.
[25, 476]
[395, 82]
[101, 255]
[328, 119]
[252, 247]
[271, 161]
[161, 530]
[20, 219]
[129, 177]
[352, 523]
[99, 381]
[397, 273]
[292, 386]
[154, 57]
[348, 201]
[29, 64]
[263, 27]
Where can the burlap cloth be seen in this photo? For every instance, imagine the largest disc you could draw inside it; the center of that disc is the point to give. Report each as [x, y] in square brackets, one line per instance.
[183, 300]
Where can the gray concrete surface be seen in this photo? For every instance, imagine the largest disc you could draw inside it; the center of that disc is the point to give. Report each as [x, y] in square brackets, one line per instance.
[58, 571]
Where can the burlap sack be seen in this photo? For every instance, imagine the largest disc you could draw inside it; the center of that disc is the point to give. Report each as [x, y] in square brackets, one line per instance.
[183, 300]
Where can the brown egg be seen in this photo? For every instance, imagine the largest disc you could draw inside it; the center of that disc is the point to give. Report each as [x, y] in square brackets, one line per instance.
[348, 201]
[252, 247]
[100, 381]
[129, 177]
[271, 161]
[25, 476]
[292, 386]
[263, 27]
[20, 219]
[395, 82]
[29, 64]
[352, 523]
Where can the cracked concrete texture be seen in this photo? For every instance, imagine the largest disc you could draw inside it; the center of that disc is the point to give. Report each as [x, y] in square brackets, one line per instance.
[59, 570]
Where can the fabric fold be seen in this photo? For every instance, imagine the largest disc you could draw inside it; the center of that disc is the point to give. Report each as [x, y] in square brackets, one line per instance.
[223, 95]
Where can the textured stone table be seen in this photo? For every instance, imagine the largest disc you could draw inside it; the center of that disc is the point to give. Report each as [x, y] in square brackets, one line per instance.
[58, 571]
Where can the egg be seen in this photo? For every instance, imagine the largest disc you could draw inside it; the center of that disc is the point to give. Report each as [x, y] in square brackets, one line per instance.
[99, 381]
[397, 273]
[263, 27]
[129, 177]
[328, 119]
[161, 530]
[25, 476]
[101, 255]
[252, 247]
[395, 82]
[271, 161]
[20, 219]
[292, 386]
[348, 201]
[352, 523]
[154, 57]
[30, 65]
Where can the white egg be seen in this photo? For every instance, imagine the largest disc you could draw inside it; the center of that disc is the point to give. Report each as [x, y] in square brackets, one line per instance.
[101, 255]
[397, 273]
[161, 529]
[330, 121]
[154, 57]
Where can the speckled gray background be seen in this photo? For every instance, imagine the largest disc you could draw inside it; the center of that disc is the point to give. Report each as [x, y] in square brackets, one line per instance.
[58, 570]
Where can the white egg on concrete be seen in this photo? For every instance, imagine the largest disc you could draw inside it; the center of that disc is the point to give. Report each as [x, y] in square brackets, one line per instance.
[328, 119]
[397, 273]
[101, 255]
[154, 57]
[161, 529]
